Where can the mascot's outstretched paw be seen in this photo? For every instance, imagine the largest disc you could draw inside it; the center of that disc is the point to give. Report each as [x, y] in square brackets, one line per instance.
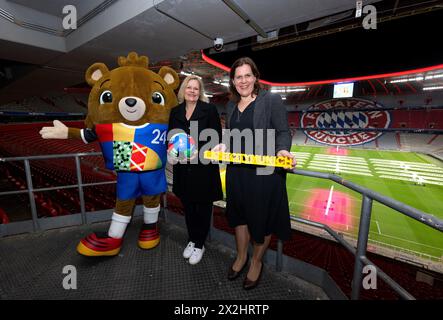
[99, 245]
[149, 236]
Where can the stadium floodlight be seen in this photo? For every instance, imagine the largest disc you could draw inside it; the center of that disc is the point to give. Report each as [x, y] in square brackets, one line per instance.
[287, 89]
[418, 78]
[222, 83]
[399, 81]
[186, 74]
[435, 76]
[433, 88]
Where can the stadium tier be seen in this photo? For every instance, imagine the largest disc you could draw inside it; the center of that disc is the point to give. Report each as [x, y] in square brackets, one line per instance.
[400, 175]
[55, 104]
[364, 106]
[339, 263]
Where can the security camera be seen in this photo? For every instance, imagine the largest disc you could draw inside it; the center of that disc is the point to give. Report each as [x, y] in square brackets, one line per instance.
[218, 44]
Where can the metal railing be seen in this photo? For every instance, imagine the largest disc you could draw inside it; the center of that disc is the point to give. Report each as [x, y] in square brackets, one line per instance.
[363, 232]
[424, 260]
[360, 253]
[30, 188]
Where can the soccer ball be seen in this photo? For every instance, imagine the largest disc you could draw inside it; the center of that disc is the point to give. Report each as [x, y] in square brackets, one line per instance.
[181, 146]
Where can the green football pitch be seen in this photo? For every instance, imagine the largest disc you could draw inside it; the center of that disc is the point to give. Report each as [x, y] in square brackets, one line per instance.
[412, 178]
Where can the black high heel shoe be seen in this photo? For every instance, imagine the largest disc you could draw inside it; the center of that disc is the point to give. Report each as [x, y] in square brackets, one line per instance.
[232, 274]
[249, 284]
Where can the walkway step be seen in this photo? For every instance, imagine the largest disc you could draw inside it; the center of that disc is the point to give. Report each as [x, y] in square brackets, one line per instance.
[31, 267]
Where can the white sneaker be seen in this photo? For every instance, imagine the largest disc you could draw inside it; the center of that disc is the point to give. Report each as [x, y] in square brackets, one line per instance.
[197, 255]
[188, 250]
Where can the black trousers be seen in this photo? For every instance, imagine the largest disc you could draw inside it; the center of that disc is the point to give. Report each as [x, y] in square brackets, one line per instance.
[198, 220]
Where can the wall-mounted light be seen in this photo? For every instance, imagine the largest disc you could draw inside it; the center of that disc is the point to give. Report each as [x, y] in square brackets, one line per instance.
[187, 74]
[222, 83]
[418, 78]
[287, 90]
[433, 88]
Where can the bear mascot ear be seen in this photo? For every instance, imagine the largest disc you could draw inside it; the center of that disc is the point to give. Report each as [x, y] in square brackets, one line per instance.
[92, 75]
[170, 77]
[88, 122]
[95, 73]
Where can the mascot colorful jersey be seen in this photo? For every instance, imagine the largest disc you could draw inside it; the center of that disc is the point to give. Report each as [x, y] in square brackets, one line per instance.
[128, 113]
[127, 148]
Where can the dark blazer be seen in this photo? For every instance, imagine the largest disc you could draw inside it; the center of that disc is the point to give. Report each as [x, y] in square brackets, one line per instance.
[197, 182]
[269, 113]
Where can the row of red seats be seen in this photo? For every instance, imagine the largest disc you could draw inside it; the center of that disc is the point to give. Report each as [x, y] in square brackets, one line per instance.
[31, 141]
[4, 219]
[44, 204]
[69, 197]
[95, 198]
[47, 208]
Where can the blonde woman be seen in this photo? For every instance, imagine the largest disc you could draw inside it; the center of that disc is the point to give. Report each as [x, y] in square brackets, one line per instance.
[197, 185]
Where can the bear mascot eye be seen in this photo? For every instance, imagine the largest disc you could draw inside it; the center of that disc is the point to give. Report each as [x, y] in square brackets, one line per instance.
[158, 98]
[106, 97]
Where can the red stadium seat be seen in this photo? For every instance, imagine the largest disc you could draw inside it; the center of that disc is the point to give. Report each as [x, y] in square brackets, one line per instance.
[4, 219]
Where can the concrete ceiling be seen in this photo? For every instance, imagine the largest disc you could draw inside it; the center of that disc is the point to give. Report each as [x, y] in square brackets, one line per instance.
[55, 7]
[133, 25]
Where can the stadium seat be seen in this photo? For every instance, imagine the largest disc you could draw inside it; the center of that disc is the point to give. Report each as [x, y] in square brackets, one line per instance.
[4, 219]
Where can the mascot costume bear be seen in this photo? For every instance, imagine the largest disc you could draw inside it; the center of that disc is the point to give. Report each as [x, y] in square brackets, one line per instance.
[128, 113]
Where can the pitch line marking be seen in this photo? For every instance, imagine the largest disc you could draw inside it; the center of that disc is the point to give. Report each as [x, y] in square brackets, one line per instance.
[302, 190]
[410, 241]
[328, 205]
[335, 164]
[378, 227]
[389, 236]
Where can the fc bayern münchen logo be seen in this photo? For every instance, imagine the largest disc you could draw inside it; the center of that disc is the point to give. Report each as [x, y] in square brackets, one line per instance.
[345, 114]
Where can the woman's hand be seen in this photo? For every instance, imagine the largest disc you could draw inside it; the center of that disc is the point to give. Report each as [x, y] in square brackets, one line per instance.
[221, 147]
[285, 153]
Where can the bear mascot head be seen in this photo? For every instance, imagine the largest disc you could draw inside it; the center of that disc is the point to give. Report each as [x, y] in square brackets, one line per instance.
[128, 113]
